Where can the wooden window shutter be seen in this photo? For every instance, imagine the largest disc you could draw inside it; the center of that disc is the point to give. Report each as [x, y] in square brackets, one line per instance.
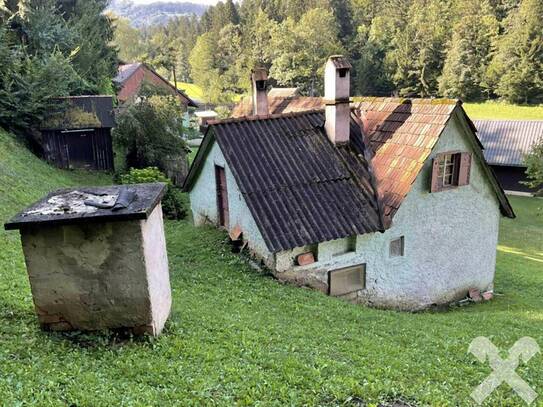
[465, 168]
[435, 182]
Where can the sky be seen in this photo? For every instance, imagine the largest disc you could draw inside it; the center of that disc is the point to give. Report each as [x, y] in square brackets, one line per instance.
[176, 1]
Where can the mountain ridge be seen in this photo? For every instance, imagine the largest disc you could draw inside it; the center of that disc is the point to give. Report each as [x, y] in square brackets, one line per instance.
[156, 13]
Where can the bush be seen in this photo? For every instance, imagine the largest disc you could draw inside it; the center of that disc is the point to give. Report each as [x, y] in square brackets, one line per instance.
[150, 132]
[172, 203]
[534, 170]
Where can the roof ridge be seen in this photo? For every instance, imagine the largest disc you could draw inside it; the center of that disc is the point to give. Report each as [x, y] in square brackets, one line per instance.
[264, 117]
[399, 100]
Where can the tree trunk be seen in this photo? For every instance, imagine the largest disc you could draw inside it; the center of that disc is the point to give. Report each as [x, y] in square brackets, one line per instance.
[174, 77]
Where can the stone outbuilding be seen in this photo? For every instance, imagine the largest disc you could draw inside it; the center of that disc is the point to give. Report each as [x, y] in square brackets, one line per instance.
[96, 258]
[390, 203]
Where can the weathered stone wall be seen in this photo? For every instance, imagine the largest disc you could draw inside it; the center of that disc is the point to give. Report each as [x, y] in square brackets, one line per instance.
[450, 243]
[203, 201]
[96, 275]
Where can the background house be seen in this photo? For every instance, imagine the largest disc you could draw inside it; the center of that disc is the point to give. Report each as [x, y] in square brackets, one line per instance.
[131, 77]
[77, 133]
[506, 143]
[393, 206]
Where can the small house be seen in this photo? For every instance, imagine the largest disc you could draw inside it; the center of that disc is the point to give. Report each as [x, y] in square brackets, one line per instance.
[389, 203]
[76, 133]
[131, 77]
[506, 144]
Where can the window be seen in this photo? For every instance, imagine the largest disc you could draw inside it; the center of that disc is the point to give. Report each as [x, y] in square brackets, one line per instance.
[347, 245]
[450, 170]
[397, 247]
[347, 280]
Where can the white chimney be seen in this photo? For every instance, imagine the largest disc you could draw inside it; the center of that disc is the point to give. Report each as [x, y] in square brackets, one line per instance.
[337, 77]
[259, 79]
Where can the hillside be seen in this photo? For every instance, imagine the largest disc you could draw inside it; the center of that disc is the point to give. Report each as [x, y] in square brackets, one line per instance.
[156, 13]
[25, 178]
[236, 336]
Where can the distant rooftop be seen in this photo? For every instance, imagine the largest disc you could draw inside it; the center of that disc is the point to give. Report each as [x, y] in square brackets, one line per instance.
[506, 142]
[125, 71]
[78, 112]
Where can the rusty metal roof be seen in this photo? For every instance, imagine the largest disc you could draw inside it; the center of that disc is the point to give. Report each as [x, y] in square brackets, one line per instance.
[506, 142]
[279, 105]
[402, 133]
[299, 187]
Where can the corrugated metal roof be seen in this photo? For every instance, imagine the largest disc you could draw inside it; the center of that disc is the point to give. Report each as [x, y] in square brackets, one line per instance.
[299, 187]
[279, 105]
[506, 142]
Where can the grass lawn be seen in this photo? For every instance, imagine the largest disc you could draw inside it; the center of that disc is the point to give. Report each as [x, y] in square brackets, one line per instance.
[192, 90]
[237, 336]
[503, 111]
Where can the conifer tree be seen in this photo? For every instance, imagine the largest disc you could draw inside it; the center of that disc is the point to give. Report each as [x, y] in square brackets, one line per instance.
[516, 71]
[468, 51]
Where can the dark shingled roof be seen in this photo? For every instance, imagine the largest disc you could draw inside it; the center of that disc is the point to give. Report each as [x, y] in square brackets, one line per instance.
[299, 187]
[508, 141]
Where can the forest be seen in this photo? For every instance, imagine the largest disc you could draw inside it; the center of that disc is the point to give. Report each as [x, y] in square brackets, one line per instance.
[476, 50]
[470, 49]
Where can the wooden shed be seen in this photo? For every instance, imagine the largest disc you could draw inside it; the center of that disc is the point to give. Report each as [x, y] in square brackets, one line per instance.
[506, 144]
[77, 133]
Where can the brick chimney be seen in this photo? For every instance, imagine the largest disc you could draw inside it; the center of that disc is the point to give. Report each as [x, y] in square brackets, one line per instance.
[259, 79]
[337, 79]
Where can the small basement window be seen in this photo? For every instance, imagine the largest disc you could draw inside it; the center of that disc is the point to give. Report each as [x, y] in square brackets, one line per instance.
[347, 280]
[347, 245]
[397, 247]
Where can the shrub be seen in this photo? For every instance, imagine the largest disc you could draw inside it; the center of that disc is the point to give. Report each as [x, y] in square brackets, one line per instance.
[534, 170]
[150, 132]
[172, 203]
